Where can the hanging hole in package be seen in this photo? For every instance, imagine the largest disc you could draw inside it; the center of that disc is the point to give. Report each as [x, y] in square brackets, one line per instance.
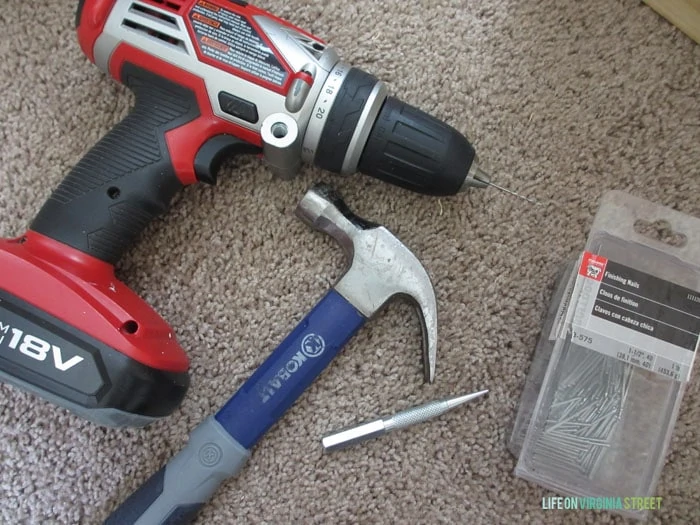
[615, 355]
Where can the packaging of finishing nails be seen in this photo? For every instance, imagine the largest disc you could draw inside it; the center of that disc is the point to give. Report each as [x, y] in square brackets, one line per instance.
[602, 398]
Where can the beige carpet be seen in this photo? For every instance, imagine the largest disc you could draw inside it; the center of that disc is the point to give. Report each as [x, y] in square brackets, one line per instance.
[563, 99]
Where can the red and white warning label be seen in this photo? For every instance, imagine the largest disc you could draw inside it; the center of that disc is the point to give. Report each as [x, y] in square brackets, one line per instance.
[229, 37]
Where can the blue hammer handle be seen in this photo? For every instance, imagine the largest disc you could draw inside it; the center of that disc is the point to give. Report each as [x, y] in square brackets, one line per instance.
[220, 446]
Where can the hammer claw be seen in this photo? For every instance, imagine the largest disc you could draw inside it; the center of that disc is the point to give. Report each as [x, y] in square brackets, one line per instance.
[381, 267]
[426, 308]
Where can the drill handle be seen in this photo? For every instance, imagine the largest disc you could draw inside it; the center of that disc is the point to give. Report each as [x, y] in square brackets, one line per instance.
[129, 177]
[175, 494]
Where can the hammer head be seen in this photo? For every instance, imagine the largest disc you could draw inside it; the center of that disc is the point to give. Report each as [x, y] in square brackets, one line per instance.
[380, 266]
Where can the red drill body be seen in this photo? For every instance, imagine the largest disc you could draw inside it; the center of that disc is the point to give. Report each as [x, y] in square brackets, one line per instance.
[212, 79]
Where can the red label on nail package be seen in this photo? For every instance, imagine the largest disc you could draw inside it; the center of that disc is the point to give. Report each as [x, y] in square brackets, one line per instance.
[593, 266]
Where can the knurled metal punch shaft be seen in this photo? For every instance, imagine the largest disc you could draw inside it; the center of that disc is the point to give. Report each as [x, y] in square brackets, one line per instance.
[403, 419]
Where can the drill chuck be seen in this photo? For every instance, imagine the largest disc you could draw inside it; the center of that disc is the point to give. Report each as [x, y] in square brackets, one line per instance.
[409, 148]
[390, 140]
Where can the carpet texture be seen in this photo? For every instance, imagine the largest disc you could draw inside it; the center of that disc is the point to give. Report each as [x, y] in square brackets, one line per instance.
[563, 100]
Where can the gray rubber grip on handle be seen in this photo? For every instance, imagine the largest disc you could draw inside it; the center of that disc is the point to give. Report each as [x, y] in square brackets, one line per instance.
[175, 494]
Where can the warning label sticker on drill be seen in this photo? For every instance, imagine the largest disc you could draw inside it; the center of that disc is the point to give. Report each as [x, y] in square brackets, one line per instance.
[636, 317]
[229, 37]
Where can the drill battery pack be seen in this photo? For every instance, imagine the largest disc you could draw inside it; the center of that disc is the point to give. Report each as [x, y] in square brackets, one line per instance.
[76, 344]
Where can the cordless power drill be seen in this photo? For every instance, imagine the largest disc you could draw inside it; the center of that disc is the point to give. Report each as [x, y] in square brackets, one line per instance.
[212, 79]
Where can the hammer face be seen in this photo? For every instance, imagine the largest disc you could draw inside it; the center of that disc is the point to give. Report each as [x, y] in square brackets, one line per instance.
[323, 209]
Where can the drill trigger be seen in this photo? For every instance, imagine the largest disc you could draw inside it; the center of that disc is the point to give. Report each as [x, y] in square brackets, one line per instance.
[215, 151]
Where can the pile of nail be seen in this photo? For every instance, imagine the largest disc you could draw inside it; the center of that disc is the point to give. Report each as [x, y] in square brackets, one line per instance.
[594, 420]
[585, 411]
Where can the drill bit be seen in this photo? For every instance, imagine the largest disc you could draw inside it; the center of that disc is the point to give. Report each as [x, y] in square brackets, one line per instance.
[480, 179]
[511, 192]
[405, 418]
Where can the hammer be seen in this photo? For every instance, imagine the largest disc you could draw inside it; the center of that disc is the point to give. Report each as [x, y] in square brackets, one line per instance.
[380, 268]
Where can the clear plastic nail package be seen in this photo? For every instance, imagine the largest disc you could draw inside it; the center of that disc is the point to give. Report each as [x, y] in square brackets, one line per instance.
[615, 355]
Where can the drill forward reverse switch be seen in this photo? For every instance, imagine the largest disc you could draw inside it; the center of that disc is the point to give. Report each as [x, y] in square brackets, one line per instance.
[212, 79]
